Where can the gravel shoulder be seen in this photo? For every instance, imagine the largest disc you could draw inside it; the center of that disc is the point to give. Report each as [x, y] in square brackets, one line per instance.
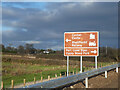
[99, 81]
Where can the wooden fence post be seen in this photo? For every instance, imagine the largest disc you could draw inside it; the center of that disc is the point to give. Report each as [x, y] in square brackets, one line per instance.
[55, 75]
[73, 72]
[48, 77]
[12, 84]
[41, 79]
[76, 71]
[24, 82]
[69, 73]
[65, 74]
[60, 75]
[1, 85]
[34, 80]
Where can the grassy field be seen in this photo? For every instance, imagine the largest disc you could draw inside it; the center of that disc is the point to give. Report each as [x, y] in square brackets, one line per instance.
[17, 71]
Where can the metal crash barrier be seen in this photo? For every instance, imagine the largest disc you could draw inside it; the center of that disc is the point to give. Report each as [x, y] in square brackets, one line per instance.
[73, 78]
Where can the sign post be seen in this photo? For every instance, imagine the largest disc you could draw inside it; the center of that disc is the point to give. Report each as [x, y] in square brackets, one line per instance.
[96, 62]
[67, 66]
[81, 44]
[80, 64]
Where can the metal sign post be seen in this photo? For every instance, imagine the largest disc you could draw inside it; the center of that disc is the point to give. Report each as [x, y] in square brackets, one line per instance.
[67, 65]
[80, 64]
[96, 62]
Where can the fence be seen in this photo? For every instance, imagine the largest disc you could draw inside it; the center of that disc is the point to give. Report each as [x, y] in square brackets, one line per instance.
[73, 78]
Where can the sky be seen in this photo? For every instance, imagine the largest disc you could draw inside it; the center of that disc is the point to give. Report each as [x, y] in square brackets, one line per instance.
[44, 23]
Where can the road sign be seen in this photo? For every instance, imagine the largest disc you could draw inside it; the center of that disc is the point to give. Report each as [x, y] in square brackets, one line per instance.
[81, 44]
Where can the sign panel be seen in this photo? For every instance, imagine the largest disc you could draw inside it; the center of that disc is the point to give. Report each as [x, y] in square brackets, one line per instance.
[81, 44]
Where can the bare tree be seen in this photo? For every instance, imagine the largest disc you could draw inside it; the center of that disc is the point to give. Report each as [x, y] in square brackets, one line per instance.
[29, 49]
[21, 50]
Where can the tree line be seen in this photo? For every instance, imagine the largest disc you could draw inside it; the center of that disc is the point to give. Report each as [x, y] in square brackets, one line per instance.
[26, 49]
[29, 49]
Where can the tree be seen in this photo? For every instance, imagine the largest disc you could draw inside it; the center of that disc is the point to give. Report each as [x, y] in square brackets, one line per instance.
[8, 48]
[2, 47]
[113, 53]
[21, 49]
[30, 49]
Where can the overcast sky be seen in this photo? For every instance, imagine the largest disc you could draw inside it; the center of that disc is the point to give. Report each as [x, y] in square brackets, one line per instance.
[44, 24]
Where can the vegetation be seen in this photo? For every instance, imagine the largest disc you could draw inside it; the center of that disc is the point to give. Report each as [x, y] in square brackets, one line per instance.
[26, 62]
[104, 53]
[17, 71]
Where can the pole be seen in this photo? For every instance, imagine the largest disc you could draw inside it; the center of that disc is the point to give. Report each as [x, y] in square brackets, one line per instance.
[86, 82]
[80, 64]
[67, 65]
[106, 50]
[116, 69]
[96, 62]
[105, 74]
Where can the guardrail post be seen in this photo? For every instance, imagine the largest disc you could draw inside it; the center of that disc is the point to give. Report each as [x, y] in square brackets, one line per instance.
[116, 69]
[105, 74]
[65, 74]
[86, 82]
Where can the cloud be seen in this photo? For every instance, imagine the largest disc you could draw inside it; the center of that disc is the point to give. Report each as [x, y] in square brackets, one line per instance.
[31, 42]
[25, 30]
[8, 33]
[58, 47]
[48, 24]
[60, 1]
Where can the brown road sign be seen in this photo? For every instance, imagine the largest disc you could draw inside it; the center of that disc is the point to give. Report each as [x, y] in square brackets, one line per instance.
[81, 44]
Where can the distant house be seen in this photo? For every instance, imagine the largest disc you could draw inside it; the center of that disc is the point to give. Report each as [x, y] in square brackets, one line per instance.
[46, 52]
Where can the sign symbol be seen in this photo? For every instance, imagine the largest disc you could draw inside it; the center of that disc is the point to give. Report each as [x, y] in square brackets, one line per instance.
[94, 51]
[92, 43]
[67, 40]
[92, 36]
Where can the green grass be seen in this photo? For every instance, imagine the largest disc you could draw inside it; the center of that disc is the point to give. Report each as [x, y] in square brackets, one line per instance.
[101, 63]
[28, 72]
[30, 77]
